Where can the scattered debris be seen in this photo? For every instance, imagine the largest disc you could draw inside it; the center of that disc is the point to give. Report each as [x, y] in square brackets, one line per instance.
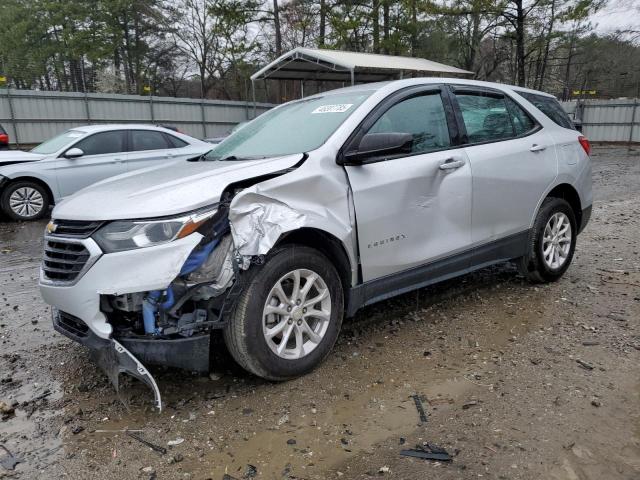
[77, 429]
[590, 343]
[7, 411]
[9, 461]
[283, 419]
[585, 365]
[155, 448]
[469, 404]
[428, 451]
[595, 402]
[149, 471]
[177, 441]
[384, 469]
[121, 430]
[177, 458]
[291, 441]
[250, 472]
[417, 399]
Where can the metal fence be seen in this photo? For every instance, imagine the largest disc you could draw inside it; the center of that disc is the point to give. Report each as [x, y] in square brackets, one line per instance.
[30, 116]
[615, 120]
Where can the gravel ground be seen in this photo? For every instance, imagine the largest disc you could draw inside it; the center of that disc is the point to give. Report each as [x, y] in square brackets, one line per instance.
[517, 381]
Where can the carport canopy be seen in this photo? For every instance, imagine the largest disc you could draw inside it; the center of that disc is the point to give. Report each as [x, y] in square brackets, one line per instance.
[349, 67]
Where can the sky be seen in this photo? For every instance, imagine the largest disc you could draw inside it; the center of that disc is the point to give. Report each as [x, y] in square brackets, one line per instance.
[618, 14]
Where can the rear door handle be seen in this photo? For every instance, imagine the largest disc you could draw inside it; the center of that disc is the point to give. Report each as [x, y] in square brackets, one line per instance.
[537, 148]
[451, 164]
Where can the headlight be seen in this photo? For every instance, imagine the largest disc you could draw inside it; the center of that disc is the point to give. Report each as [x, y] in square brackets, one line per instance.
[131, 234]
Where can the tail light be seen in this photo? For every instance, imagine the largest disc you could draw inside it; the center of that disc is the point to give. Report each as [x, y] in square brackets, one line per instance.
[584, 141]
[4, 138]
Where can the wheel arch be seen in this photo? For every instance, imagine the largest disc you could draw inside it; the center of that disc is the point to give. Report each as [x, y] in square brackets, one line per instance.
[567, 192]
[329, 246]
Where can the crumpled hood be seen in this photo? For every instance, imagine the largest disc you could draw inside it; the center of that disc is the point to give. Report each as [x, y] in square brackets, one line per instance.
[9, 157]
[168, 189]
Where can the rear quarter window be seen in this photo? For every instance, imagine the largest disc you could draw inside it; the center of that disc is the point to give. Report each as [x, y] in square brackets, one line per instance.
[550, 107]
[175, 142]
[2, 130]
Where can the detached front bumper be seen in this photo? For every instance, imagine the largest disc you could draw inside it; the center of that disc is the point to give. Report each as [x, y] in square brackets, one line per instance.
[109, 355]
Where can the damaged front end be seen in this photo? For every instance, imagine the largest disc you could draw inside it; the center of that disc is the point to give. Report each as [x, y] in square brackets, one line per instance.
[172, 326]
[152, 291]
[141, 306]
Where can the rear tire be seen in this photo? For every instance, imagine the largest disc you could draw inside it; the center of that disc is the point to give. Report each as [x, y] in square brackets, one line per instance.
[552, 242]
[25, 200]
[278, 334]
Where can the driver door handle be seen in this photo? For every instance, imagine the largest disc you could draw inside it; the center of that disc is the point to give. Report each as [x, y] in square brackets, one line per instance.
[451, 164]
[537, 148]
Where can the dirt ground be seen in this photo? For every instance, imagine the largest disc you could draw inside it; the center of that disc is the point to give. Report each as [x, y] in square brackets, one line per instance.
[518, 381]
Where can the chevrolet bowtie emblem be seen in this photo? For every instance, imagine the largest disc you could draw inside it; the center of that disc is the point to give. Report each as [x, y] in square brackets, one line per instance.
[51, 227]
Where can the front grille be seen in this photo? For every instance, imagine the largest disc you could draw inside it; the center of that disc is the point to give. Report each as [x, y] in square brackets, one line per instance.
[74, 228]
[63, 261]
[71, 324]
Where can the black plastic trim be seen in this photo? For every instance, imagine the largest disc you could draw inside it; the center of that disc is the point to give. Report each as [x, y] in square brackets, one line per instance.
[88, 339]
[508, 248]
[584, 220]
[188, 353]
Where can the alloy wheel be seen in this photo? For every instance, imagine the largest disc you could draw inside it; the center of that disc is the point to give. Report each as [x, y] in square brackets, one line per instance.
[556, 241]
[26, 202]
[296, 314]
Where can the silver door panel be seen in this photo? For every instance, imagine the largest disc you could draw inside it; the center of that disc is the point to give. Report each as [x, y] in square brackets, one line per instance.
[410, 212]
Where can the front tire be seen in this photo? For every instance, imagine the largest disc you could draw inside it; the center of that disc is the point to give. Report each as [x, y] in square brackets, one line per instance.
[552, 242]
[289, 315]
[25, 200]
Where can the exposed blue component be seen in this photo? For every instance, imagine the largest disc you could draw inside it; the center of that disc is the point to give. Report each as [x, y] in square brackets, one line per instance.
[151, 301]
[196, 259]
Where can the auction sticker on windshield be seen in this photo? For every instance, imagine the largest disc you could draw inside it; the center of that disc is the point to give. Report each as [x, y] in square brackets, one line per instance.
[337, 108]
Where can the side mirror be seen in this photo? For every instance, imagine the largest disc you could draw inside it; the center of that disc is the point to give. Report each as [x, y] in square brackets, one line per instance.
[73, 153]
[374, 145]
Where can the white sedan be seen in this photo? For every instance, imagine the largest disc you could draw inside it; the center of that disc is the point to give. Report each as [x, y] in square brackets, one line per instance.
[32, 181]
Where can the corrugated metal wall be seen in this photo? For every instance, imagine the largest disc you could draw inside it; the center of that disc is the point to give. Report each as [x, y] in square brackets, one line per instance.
[31, 117]
[615, 120]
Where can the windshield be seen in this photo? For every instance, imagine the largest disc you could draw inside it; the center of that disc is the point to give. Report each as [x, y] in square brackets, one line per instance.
[56, 143]
[293, 128]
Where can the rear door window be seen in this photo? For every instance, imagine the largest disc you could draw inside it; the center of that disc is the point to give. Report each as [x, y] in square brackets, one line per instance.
[102, 143]
[485, 117]
[522, 121]
[423, 117]
[550, 107]
[148, 140]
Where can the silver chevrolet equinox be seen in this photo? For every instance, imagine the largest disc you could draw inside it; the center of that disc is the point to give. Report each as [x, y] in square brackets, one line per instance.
[314, 209]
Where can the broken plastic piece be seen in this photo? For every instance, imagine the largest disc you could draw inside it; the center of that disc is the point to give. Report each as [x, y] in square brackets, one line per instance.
[428, 452]
[417, 399]
[114, 359]
[9, 461]
[156, 448]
